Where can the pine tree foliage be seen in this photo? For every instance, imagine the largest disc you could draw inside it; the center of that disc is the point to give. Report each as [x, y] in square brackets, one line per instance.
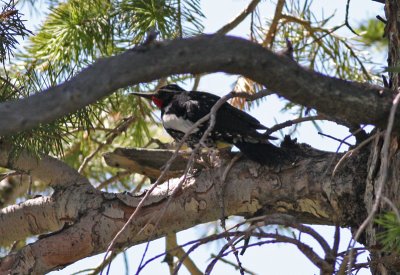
[76, 33]
[11, 28]
[390, 236]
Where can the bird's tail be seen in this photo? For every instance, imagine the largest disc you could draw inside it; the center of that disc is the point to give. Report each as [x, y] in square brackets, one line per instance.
[263, 153]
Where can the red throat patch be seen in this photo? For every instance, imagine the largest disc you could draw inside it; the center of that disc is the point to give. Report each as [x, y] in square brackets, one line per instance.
[157, 101]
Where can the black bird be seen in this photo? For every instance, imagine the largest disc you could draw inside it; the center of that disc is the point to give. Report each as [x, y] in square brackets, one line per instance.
[180, 109]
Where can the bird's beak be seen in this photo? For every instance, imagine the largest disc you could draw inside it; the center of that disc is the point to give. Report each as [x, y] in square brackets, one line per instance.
[145, 95]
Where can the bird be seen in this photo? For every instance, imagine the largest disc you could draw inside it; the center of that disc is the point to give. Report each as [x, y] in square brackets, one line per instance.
[181, 109]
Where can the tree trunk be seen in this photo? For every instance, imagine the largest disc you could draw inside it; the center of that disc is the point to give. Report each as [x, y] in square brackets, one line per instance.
[385, 262]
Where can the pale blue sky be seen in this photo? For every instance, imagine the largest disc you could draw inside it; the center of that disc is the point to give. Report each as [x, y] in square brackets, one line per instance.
[271, 259]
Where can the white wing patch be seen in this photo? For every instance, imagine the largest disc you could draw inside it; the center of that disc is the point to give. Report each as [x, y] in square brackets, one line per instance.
[171, 121]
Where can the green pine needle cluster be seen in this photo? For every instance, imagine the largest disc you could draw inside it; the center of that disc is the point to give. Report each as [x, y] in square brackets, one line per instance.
[11, 28]
[371, 33]
[390, 236]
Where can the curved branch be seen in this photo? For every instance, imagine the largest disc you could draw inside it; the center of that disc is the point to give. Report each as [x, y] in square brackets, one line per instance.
[239, 19]
[354, 103]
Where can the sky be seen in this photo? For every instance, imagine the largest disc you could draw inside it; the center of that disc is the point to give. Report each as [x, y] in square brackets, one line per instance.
[271, 259]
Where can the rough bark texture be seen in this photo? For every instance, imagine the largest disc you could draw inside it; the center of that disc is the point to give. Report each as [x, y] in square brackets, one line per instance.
[384, 262]
[303, 187]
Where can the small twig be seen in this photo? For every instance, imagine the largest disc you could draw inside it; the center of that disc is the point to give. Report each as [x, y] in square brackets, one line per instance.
[114, 178]
[347, 18]
[380, 18]
[336, 241]
[151, 36]
[234, 265]
[10, 174]
[276, 238]
[351, 152]
[222, 188]
[196, 82]
[139, 185]
[112, 135]
[169, 258]
[178, 252]
[393, 206]
[227, 28]
[381, 181]
[269, 38]
[307, 25]
[231, 243]
[334, 138]
[103, 264]
[239, 19]
[289, 123]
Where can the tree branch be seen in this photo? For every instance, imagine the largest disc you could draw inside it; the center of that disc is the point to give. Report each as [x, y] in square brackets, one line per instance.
[354, 103]
[148, 162]
[30, 218]
[239, 19]
[301, 188]
[48, 169]
[269, 38]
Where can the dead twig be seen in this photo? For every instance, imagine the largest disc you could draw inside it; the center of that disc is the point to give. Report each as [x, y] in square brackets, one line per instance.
[347, 19]
[351, 152]
[227, 28]
[291, 122]
[393, 206]
[119, 129]
[239, 19]
[334, 138]
[222, 202]
[269, 38]
[177, 251]
[234, 265]
[114, 178]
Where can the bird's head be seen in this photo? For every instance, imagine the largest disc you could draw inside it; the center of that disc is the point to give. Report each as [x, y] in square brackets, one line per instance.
[163, 96]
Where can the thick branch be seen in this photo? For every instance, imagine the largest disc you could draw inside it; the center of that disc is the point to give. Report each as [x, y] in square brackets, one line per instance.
[49, 170]
[42, 214]
[27, 219]
[148, 162]
[303, 187]
[350, 102]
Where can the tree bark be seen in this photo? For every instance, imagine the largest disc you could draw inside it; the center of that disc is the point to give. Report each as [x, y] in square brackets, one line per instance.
[384, 262]
[303, 187]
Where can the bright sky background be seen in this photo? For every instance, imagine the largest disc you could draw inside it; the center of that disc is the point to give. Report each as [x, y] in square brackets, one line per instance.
[271, 259]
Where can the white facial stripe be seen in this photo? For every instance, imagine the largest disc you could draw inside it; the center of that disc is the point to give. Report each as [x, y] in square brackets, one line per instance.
[171, 121]
[167, 108]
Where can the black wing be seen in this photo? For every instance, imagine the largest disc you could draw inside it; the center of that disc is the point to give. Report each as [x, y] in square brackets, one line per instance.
[229, 118]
